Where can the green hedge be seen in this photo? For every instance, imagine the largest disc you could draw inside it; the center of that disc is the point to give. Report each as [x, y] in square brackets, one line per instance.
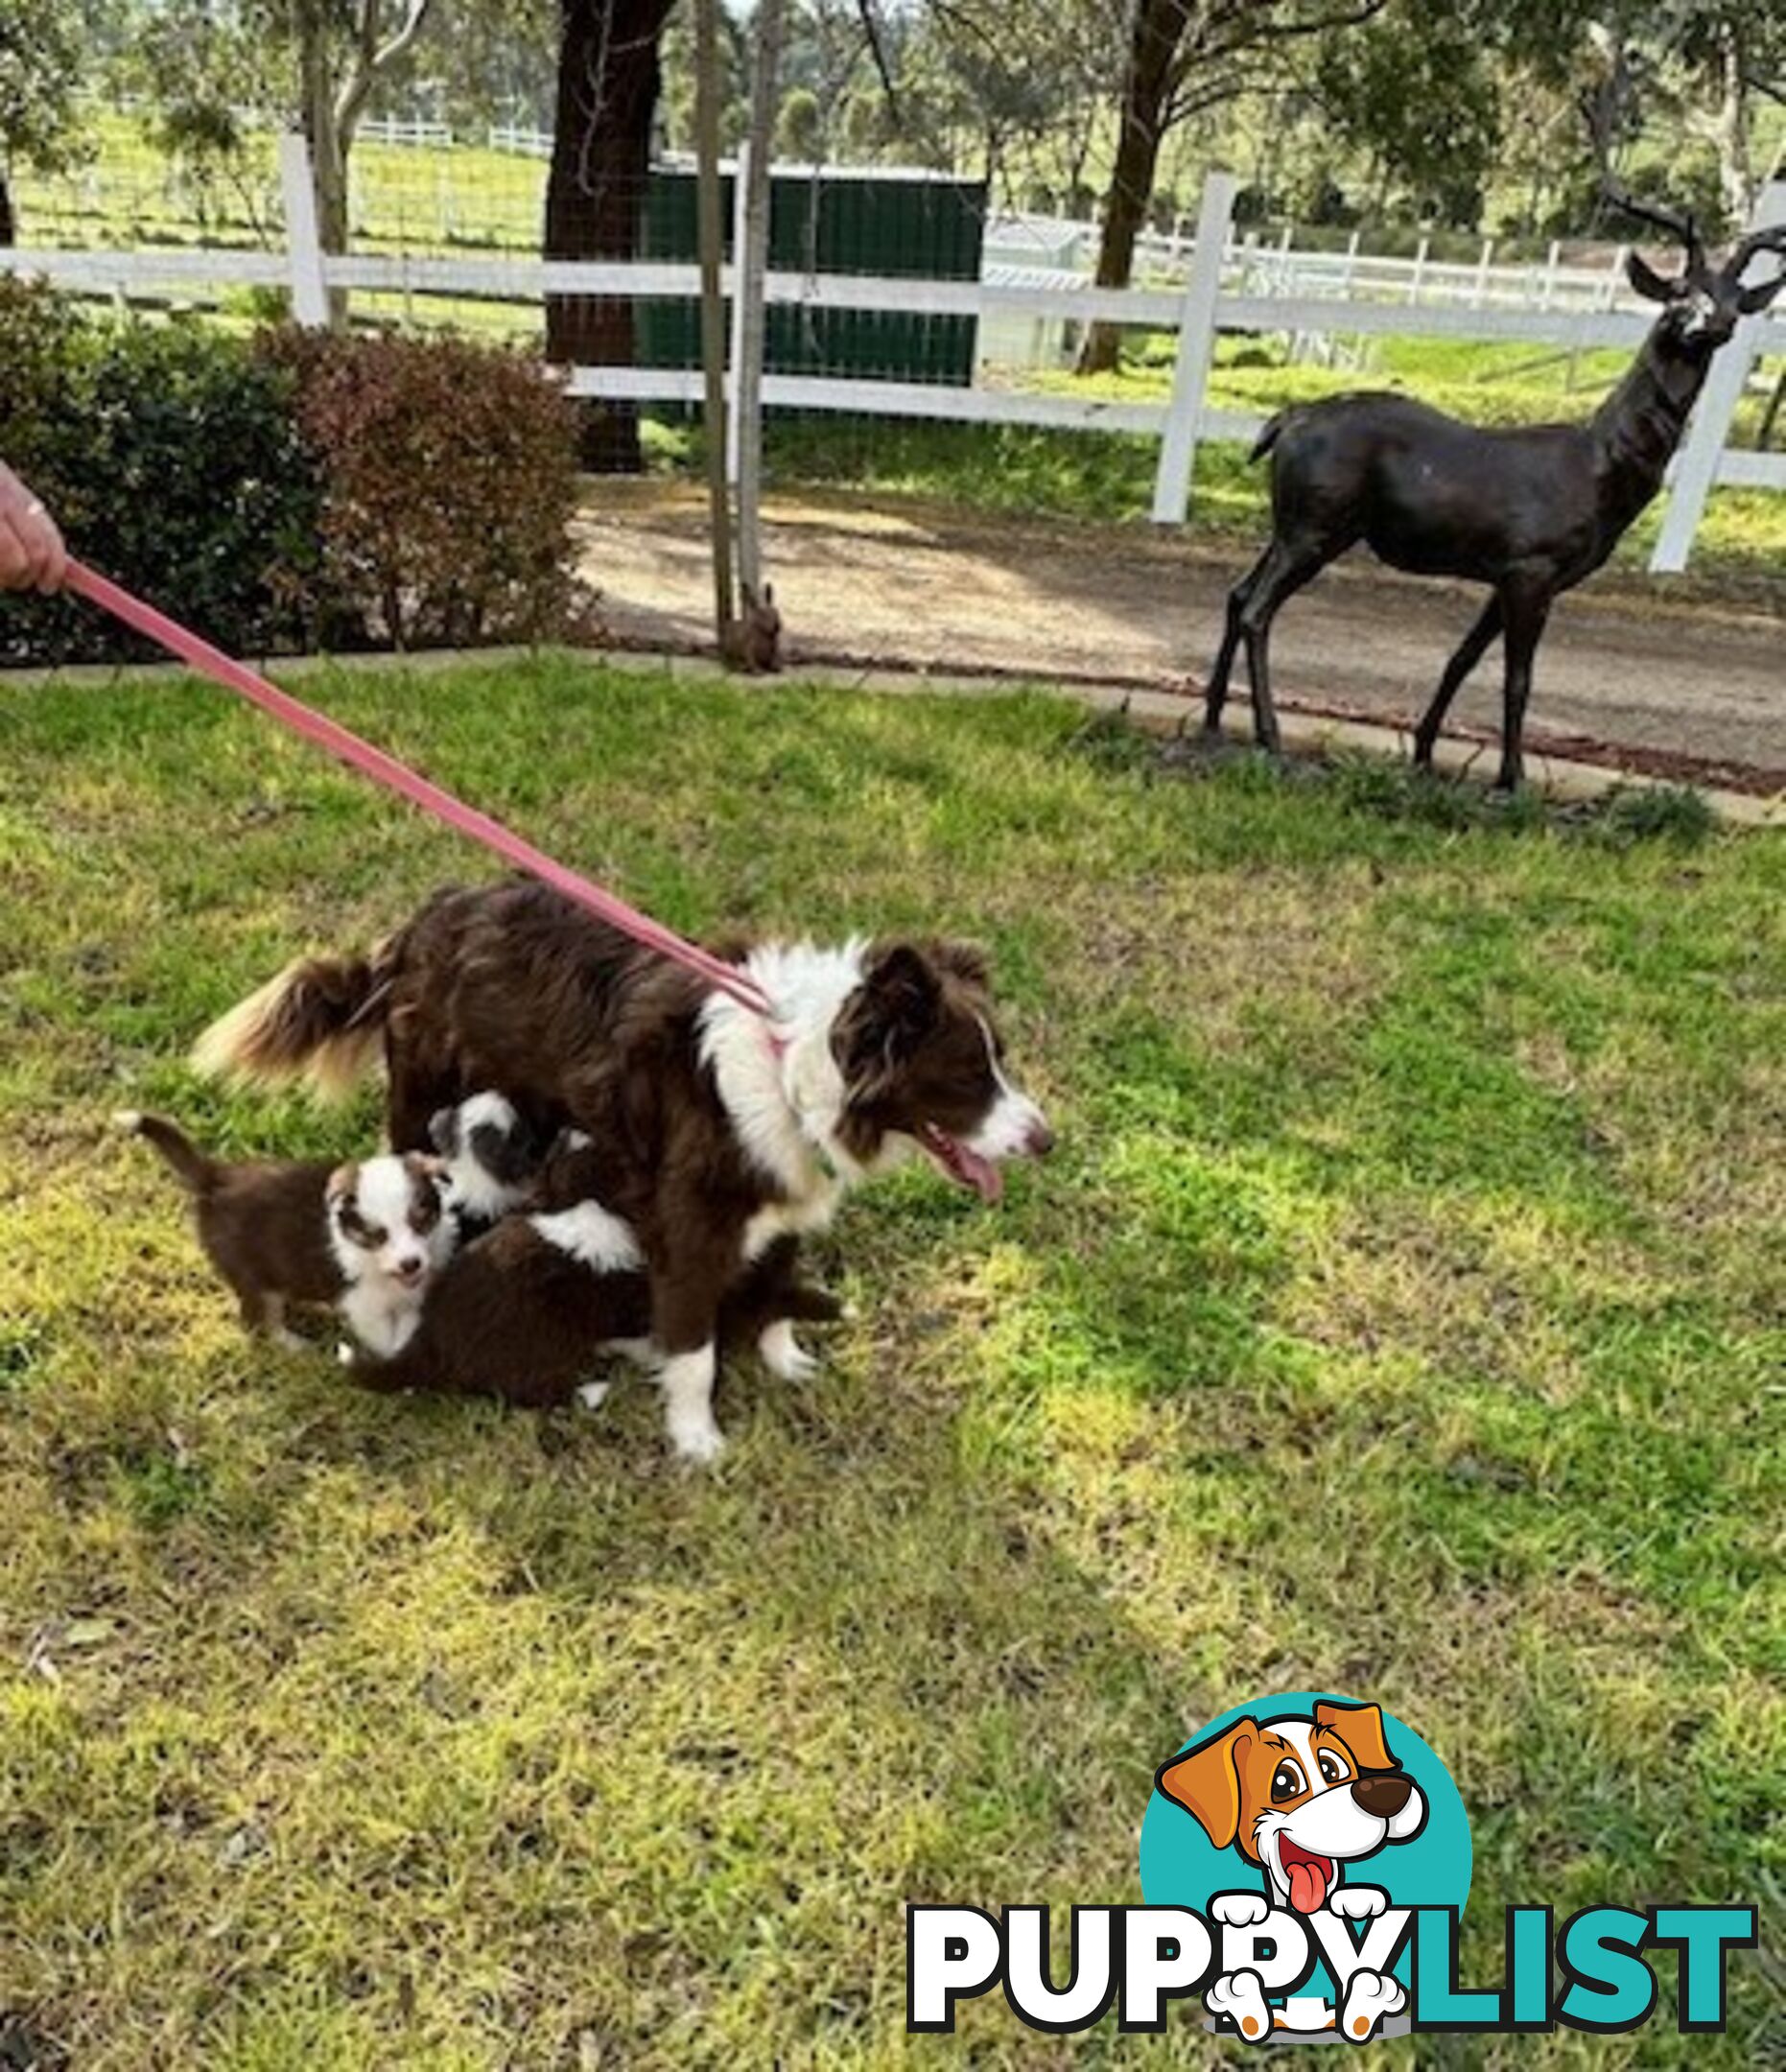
[281, 494]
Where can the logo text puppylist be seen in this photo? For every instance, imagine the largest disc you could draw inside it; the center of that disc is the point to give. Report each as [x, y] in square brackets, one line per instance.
[1306, 1861]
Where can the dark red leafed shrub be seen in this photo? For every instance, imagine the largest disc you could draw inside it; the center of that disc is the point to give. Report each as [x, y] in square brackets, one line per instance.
[450, 481]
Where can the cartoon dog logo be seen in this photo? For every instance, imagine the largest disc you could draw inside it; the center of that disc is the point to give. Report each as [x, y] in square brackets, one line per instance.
[1300, 1799]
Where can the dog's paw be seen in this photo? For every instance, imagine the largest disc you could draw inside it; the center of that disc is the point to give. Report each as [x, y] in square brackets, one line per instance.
[1369, 1998]
[591, 1395]
[783, 1353]
[1239, 1909]
[1240, 1999]
[698, 1441]
[1358, 1902]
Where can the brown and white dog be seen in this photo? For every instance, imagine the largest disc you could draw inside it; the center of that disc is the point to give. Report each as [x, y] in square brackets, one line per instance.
[363, 1239]
[717, 1134]
[1299, 1798]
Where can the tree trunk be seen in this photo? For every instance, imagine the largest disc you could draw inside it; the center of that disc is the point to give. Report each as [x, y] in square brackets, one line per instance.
[328, 159]
[753, 264]
[1146, 86]
[8, 222]
[1735, 177]
[608, 81]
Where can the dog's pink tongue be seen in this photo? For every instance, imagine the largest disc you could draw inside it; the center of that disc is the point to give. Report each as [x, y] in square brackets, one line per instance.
[988, 1181]
[1308, 1887]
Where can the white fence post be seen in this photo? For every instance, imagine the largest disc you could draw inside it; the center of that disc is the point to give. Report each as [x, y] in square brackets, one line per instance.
[1695, 467]
[1196, 343]
[310, 288]
[1417, 280]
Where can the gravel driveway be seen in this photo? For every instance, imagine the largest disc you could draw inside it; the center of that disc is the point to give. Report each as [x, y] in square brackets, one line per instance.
[904, 585]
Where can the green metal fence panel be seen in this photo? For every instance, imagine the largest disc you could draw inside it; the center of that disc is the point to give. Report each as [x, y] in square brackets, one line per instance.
[923, 228]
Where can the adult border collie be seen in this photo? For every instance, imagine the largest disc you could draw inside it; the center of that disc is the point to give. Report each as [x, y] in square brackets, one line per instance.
[717, 1132]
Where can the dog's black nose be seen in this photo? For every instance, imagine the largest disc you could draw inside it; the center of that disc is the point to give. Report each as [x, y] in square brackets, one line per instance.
[1039, 1141]
[1384, 1795]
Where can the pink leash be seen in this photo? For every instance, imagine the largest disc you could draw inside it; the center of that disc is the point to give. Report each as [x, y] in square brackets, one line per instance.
[361, 755]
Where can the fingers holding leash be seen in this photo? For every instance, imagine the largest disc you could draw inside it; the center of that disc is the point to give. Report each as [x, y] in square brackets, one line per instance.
[31, 552]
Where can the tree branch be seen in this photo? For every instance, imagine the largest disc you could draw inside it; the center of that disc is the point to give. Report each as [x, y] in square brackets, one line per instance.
[373, 57]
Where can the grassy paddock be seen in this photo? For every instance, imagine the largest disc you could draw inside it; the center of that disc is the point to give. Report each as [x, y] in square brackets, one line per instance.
[1401, 1313]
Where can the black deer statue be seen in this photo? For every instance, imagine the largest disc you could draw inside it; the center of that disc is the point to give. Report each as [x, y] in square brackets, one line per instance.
[1529, 511]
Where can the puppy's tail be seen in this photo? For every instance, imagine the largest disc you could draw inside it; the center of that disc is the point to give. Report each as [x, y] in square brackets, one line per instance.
[321, 1020]
[196, 1173]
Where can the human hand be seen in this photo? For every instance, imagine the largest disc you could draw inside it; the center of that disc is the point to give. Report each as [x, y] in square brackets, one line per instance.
[31, 554]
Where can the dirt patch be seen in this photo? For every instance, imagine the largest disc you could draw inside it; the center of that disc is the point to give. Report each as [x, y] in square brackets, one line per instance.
[1689, 690]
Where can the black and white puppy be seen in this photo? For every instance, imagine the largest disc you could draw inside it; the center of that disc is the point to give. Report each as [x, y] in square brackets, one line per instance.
[494, 1158]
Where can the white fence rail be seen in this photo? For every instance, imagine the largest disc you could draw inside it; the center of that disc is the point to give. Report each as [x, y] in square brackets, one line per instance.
[1224, 291]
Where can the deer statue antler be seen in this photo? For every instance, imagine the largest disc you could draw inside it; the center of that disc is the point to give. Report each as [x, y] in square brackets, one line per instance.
[1679, 223]
[1771, 239]
[1752, 300]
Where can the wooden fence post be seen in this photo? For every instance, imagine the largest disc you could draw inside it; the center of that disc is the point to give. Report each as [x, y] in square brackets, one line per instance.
[734, 357]
[1696, 465]
[310, 289]
[1196, 343]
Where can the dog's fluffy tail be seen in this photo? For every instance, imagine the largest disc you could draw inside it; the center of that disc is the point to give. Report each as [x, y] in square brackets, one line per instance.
[196, 1173]
[321, 1020]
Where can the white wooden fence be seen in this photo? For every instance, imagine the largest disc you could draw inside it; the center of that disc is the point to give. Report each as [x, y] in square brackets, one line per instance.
[1218, 293]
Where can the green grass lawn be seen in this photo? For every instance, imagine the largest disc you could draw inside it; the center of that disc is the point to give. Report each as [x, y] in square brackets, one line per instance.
[1401, 1313]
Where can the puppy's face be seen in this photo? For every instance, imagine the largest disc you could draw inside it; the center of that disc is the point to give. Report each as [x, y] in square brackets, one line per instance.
[385, 1218]
[923, 1062]
[492, 1152]
[1300, 1797]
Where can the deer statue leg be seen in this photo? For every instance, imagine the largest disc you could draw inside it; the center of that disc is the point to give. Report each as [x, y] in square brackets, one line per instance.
[1526, 606]
[1470, 651]
[1282, 573]
[1216, 696]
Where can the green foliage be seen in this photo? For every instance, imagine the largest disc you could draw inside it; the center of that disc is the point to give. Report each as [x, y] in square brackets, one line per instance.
[298, 491]
[172, 458]
[42, 52]
[1413, 91]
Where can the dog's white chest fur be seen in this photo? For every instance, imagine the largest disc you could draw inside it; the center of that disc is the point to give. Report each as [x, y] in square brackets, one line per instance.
[785, 1100]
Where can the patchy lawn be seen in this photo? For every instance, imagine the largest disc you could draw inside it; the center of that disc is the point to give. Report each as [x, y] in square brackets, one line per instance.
[1401, 1313]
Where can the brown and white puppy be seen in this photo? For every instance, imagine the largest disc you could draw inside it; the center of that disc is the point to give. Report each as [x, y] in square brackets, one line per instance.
[717, 1133]
[528, 1312]
[363, 1239]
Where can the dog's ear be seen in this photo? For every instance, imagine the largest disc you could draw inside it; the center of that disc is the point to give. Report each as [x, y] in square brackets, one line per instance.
[341, 1184]
[443, 1131]
[964, 960]
[1206, 1781]
[892, 1011]
[1361, 1727]
[425, 1170]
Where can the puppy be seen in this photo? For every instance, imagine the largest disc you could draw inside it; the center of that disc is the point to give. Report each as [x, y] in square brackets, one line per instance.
[525, 1314]
[363, 1239]
[718, 1131]
[494, 1157]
